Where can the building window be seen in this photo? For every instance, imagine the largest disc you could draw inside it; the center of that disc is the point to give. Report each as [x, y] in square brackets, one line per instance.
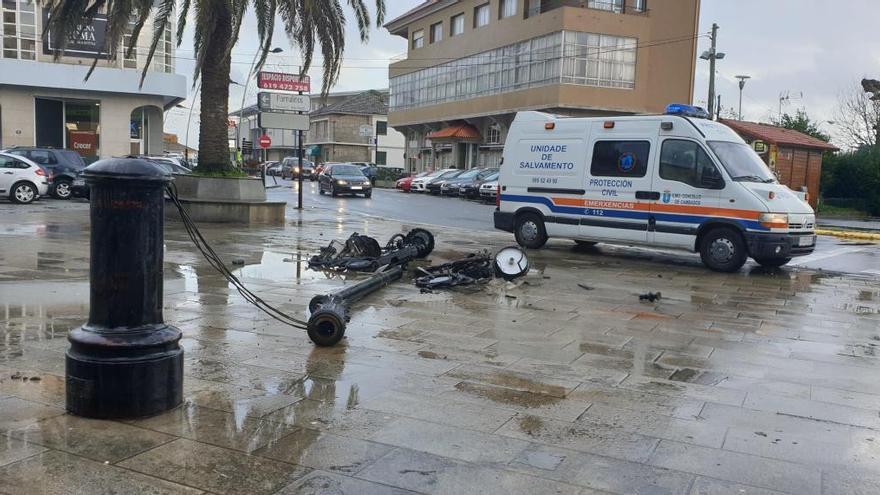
[456, 25]
[493, 134]
[19, 29]
[640, 6]
[418, 39]
[507, 8]
[129, 60]
[381, 158]
[481, 15]
[620, 159]
[72, 124]
[381, 128]
[436, 32]
[533, 8]
[687, 162]
[590, 60]
[610, 5]
[599, 60]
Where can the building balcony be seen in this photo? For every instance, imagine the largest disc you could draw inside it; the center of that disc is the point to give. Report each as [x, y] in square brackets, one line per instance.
[635, 7]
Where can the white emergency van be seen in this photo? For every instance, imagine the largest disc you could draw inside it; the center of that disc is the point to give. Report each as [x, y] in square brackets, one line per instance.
[677, 180]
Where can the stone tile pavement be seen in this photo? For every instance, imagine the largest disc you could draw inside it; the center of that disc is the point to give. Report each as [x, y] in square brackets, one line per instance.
[756, 382]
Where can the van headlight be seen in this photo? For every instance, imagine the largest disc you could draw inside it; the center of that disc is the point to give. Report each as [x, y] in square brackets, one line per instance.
[774, 220]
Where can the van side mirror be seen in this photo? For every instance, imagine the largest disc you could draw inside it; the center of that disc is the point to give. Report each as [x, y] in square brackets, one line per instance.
[712, 181]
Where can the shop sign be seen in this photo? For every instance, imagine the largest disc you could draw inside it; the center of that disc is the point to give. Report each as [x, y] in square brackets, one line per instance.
[283, 82]
[86, 40]
[83, 142]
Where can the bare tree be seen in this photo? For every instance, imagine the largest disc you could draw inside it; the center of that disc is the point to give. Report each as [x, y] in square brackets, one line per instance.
[858, 117]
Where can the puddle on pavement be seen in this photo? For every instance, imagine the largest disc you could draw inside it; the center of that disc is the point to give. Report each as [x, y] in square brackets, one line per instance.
[507, 396]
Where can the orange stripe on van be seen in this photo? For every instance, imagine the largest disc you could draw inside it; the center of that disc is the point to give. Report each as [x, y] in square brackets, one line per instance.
[659, 207]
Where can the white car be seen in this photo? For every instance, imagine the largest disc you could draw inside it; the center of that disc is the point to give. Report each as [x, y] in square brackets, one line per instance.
[489, 191]
[421, 184]
[22, 180]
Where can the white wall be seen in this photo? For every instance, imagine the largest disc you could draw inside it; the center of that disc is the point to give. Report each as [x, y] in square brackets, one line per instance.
[394, 144]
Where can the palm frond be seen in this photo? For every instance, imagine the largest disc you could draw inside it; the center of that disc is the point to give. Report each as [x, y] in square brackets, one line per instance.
[181, 20]
[363, 18]
[164, 11]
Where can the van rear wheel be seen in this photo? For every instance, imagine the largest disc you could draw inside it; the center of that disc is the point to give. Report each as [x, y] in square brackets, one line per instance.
[530, 232]
[722, 249]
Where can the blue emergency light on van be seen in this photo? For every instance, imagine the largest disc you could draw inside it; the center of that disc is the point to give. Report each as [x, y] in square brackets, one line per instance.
[687, 111]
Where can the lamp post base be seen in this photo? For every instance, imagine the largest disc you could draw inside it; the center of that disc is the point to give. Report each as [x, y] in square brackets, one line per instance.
[124, 375]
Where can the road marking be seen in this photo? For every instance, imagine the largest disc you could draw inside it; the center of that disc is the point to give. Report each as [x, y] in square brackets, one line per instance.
[825, 255]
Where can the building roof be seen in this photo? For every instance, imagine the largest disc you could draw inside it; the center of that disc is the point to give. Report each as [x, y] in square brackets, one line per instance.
[459, 132]
[398, 24]
[777, 135]
[370, 102]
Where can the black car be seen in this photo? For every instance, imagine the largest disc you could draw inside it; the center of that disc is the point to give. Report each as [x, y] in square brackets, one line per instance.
[471, 190]
[433, 187]
[290, 168]
[61, 165]
[450, 187]
[344, 179]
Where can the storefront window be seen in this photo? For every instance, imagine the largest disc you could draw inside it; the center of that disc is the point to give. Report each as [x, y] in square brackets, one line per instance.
[70, 124]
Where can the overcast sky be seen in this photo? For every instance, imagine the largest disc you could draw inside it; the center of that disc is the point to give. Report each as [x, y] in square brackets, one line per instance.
[808, 49]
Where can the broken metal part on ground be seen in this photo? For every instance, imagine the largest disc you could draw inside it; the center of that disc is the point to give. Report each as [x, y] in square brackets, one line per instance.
[363, 253]
[509, 263]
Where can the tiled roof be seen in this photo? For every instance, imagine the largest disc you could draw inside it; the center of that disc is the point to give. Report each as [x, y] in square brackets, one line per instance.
[458, 131]
[370, 102]
[777, 135]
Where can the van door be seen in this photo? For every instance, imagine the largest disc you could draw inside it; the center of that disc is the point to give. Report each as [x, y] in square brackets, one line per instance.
[689, 183]
[617, 185]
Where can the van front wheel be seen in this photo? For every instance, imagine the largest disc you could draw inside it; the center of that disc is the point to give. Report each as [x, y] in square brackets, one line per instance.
[530, 232]
[723, 250]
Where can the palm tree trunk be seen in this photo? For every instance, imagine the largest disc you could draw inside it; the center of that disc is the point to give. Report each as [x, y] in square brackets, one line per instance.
[213, 134]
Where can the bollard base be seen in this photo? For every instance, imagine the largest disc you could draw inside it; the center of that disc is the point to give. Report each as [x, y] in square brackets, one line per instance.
[124, 376]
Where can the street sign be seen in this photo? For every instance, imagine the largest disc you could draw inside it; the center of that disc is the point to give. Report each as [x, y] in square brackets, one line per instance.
[366, 130]
[265, 141]
[289, 121]
[283, 82]
[282, 102]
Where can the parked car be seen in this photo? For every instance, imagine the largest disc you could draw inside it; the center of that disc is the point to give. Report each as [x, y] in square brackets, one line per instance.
[170, 165]
[22, 180]
[489, 190]
[405, 183]
[449, 187]
[435, 185]
[421, 184]
[61, 166]
[370, 171]
[343, 178]
[471, 190]
[273, 168]
[290, 168]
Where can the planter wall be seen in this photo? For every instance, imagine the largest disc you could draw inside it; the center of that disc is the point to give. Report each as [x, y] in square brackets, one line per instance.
[193, 187]
[225, 200]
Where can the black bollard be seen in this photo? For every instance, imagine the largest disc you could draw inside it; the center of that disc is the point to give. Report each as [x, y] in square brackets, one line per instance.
[125, 362]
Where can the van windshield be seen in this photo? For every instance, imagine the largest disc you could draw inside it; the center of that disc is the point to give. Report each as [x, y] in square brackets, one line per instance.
[741, 162]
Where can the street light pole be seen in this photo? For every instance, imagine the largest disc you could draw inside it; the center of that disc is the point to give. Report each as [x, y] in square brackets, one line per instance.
[742, 84]
[712, 55]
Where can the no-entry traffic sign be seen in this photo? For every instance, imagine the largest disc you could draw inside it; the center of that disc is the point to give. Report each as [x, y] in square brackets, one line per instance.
[265, 141]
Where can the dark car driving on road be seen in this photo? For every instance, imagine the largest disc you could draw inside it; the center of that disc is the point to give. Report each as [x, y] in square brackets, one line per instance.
[344, 179]
[62, 166]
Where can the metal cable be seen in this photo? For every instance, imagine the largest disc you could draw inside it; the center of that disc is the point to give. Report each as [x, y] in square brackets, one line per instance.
[217, 263]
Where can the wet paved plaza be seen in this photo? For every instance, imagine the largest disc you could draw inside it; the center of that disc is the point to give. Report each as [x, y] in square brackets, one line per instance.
[756, 382]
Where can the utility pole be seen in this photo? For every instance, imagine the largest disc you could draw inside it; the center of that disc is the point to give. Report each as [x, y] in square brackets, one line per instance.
[299, 144]
[712, 55]
[742, 84]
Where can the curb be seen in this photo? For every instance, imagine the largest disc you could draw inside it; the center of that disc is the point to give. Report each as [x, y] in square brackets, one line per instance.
[850, 234]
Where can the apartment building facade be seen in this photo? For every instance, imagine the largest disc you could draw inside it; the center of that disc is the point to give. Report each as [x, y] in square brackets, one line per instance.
[472, 64]
[47, 102]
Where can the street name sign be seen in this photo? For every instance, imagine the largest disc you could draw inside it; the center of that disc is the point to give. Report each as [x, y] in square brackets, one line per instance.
[282, 102]
[289, 121]
[283, 82]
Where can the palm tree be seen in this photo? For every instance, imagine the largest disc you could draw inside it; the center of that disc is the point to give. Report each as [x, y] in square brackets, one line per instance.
[307, 23]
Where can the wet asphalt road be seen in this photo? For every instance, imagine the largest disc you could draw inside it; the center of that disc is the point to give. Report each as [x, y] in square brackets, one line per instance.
[832, 254]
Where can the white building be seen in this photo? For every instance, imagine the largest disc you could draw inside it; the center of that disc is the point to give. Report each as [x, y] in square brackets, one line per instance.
[48, 103]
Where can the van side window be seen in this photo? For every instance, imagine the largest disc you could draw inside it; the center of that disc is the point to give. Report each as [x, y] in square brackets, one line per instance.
[686, 161]
[620, 158]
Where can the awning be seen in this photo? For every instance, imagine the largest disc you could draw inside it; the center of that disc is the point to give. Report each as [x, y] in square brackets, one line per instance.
[458, 132]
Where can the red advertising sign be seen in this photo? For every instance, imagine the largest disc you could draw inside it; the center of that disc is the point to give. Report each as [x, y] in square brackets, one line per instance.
[265, 141]
[83, 142]
[284, 82]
